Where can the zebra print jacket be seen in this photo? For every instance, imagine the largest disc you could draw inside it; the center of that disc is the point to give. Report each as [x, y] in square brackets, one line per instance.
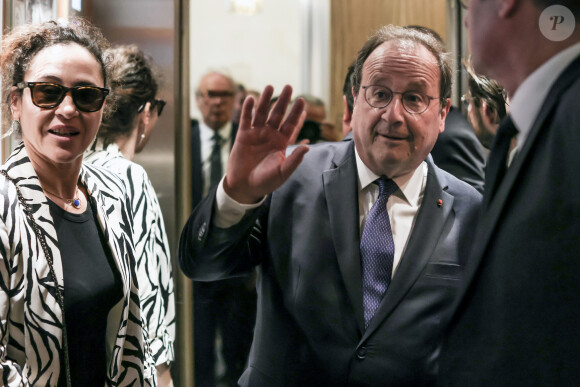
[30, 315]
[151, 249]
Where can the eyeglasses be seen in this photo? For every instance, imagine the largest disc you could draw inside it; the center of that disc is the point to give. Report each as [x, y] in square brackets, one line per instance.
[160, 104]
[464, 4]
[156, 102]
[48, 95]
[380, 97]
[212, 94]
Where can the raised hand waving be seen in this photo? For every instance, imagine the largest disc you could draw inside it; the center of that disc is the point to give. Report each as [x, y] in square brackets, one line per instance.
[258, 163]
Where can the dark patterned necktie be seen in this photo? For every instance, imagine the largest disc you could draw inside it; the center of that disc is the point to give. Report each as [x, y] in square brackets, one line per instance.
[377, 250]
[216, 172]
[497, 162]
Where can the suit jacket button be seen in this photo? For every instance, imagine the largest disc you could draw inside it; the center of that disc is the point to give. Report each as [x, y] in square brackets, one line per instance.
[361, 353]
[201, 231]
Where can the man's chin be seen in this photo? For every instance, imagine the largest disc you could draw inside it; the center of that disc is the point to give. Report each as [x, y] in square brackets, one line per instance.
[217, 124]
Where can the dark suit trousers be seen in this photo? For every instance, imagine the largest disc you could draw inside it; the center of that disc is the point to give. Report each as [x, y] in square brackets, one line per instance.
[230, 307]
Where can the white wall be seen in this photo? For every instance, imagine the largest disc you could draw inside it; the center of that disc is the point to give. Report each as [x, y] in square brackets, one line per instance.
[266, 48]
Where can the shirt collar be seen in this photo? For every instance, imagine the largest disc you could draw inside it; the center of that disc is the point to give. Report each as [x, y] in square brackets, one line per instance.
[410, 184]
[207, 132]
[529, 97]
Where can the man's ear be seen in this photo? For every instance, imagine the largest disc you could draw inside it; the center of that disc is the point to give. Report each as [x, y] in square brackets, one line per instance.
[507, 8]
[489, 113]
[198, 100]
[346, 117]
[443, 114]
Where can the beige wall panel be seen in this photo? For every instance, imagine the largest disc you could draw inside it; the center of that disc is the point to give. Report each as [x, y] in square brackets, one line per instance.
[353, 21]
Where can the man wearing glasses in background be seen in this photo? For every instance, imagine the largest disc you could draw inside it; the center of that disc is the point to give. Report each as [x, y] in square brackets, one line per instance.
[486, 105]
[229, 305]
[516, 321]
[360, 244]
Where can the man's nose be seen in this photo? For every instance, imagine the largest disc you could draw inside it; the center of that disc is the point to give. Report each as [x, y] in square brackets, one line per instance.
[394, 111]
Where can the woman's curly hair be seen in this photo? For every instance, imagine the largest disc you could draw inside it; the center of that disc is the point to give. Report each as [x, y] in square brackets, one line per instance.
[24, 42]
[134, 82]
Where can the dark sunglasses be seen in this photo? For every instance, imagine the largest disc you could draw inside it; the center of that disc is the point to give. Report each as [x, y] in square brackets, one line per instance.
[48, 95]
[156, 102]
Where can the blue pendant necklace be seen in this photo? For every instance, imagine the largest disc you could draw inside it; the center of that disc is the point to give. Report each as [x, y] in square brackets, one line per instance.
[75, 201]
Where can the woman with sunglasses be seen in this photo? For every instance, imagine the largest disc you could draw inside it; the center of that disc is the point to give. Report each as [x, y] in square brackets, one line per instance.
[69, 304]
[123, 134]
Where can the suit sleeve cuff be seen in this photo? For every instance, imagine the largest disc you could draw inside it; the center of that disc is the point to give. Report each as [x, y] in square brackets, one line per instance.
[229, 212]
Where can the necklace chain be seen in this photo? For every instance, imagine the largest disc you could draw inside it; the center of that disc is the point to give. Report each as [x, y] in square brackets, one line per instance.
[49, 259]
[75, 201]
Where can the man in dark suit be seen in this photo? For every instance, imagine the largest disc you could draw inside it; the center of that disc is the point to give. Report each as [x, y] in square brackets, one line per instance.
[327, 235]
[516, 318]
[458, 151]
[486, 105]
[348, 102]
[215, 100]
[228, 305]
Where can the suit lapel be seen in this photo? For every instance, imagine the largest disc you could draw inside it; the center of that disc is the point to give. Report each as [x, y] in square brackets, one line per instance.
[422, 242]
[341, 191]
[490, 218]
[196, 174]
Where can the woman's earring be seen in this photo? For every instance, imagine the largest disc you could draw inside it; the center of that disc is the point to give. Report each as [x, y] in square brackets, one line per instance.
[14, 127]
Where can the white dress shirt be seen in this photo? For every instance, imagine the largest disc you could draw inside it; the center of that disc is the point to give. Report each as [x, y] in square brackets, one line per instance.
[206, 141]
[530, 95]
[402, 205]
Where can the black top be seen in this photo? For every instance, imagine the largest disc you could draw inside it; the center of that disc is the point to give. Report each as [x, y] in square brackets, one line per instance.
[92, 286]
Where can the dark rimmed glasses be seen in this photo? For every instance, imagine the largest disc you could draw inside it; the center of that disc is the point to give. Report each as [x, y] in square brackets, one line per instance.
[214, 94]
[49, 95]
[159, 103]
[380, 97]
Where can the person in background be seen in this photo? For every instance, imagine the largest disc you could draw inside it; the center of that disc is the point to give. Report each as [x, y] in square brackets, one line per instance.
[515, 321]
[348, 99]
[239, 98]
[316, 116]
[212, 136]
[359, 244]
[310, 133]
[227, 306]
[69, 303]
[124, 133]
[486, 105]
